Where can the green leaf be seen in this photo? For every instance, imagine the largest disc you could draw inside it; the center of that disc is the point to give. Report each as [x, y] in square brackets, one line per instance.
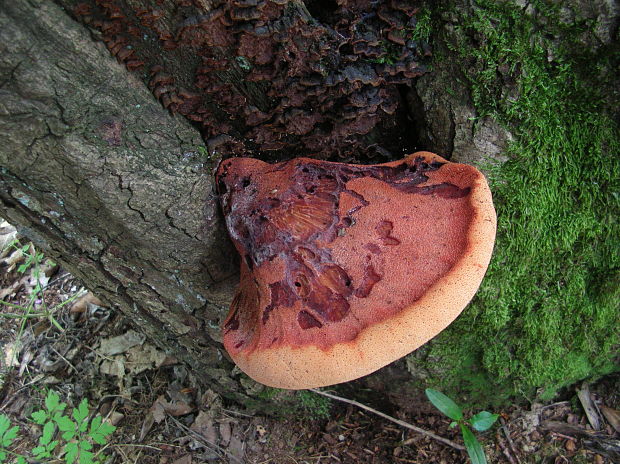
[81, 412]
[52, 401]
[48, 433]
[444, 404]
[39, 417]
[53, 404]
[95, 424]
[52, 445]
[83, 426]
[86, 445]
[2, 456]
[65, 424]
[9, 436]
[107, 429]
[5, 423]
[66, 436]
[86, 457]
[39, 452]
[474, 448]
[71, 452]
[453, 424]
[98, 438]
[21, 460]
[100, 430]
[484, 420]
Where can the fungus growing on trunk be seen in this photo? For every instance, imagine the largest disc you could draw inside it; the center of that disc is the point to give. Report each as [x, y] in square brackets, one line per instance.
[346, 268]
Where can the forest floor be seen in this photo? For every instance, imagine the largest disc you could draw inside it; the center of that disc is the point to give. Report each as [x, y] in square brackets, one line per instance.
[57, 337]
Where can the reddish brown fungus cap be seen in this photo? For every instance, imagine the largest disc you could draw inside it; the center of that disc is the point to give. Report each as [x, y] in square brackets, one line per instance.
[346, 268]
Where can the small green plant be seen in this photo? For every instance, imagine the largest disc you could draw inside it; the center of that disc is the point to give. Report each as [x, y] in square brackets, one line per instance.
[315, 406]
[480, 422]
[32, 258]
[36, 306]
[8, 435]
[423, 28]
[204, 153]
[71, 436]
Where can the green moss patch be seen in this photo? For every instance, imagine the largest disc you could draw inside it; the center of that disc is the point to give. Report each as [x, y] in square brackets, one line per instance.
[548, 312]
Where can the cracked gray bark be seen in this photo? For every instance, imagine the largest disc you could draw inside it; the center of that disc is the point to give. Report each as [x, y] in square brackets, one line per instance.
[97, 174]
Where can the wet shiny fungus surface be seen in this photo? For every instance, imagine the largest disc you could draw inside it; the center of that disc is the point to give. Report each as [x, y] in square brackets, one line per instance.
[329, 249]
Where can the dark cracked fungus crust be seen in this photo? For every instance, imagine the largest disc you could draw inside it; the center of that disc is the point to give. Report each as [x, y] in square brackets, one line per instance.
[329, 248]
[273, 76]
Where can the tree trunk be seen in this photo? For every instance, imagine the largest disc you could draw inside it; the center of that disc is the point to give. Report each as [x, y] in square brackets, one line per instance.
[107, 182]
[120, 190]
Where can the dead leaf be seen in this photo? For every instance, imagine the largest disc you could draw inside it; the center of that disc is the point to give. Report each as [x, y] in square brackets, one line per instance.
[81, 304]
[26, 358]
[205, 426]
[14, 288]
[157, 413]
[261, 432]
[144, 357]
[612, 416]
[226, 433]
[116, 417]
[115, 366]
[588, 406]
[236, 447]
[8, 234]
[121, 343]
[12, 260]
[175, 409]
[178, 409]
[149, 420]
[158, 409]
[11, 353]
[187, 459]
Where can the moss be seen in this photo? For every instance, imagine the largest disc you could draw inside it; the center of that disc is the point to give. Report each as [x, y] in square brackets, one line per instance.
[423, 28]
[312, 405]
[548, 311]
[298, 403]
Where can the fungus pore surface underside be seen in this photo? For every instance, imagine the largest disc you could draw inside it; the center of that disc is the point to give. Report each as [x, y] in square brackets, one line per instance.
[329, 249]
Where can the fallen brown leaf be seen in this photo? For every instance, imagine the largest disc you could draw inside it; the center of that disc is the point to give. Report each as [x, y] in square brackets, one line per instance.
[81, 304]
[612, 416]
[187, 459]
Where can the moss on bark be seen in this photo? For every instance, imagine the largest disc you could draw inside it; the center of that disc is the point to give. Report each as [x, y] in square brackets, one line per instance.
[547, 314]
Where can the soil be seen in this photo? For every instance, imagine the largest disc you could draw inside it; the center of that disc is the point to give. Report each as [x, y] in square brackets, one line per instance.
[163, 416]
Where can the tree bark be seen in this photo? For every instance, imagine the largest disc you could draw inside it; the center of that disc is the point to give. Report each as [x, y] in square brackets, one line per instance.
[120, 190]
[103, 179]
[265, 78]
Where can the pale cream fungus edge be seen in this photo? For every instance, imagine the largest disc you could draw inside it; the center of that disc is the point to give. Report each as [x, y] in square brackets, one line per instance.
[384, 342]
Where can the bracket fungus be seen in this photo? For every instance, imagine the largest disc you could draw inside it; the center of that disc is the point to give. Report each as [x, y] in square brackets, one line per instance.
[346, 268]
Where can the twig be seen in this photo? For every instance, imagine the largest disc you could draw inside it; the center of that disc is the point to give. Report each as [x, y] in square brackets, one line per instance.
[509, 438]
[393, 419]
[65, 359]
[135, 445]
[237, 413]
[511, 460]
[502, 444]
[199, 437]
[552, 405]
